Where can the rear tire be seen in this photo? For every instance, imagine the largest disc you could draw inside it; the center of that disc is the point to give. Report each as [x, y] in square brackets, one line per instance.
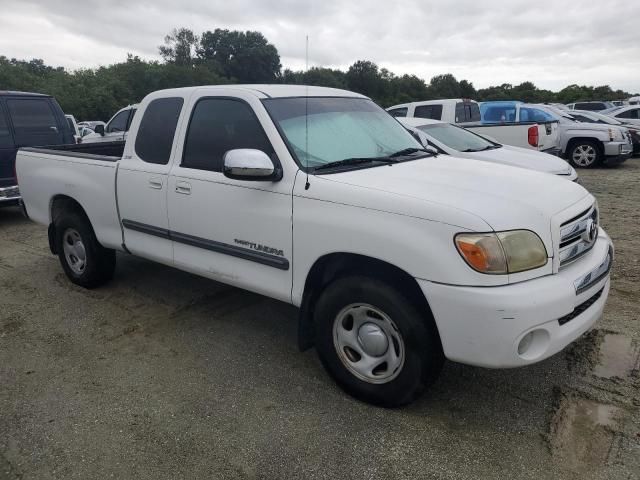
[585, 154]
[375, 343]
[84, 260]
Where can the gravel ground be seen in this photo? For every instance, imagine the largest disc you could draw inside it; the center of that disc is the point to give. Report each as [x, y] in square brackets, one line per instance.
[162, 374]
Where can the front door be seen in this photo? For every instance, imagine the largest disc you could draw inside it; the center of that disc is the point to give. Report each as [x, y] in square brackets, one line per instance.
[235, 231]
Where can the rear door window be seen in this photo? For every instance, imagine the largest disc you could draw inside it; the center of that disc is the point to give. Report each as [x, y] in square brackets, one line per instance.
[434, 112]
[157, 129]
[34, 121]
[467, 112]
[632, 113]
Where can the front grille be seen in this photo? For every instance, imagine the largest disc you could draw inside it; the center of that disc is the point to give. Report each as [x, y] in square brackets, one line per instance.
[578, 235]
[581, 308]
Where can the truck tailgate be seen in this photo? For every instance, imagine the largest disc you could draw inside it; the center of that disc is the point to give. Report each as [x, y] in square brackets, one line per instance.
[44, 175]
[548, 136]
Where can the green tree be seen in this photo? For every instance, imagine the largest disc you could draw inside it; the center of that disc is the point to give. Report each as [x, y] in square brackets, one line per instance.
[246, 57]
[179, 47]
[364, 77]
[445, 86]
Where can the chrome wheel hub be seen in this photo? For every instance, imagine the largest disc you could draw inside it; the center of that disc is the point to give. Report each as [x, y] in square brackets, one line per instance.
[372, 339]
[584, 155]
[74, 251]
[368, 343]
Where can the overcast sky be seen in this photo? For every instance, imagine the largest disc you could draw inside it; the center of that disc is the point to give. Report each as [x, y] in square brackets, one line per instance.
[552, 43]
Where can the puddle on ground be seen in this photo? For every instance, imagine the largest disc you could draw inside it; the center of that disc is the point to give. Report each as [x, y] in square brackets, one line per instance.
[583, 433]
[619, 356]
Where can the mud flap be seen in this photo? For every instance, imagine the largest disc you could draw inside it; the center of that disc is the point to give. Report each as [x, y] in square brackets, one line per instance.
[305, 325]
[51, 234]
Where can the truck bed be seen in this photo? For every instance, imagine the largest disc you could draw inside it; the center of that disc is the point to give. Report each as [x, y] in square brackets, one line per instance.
[106, 151]
[516, 133]
[84, 172]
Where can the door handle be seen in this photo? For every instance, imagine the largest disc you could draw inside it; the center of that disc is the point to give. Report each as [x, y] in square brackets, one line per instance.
[183, 188]
[155, 182]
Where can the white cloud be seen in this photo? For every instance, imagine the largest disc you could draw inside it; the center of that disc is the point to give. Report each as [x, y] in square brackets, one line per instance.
[489, 42]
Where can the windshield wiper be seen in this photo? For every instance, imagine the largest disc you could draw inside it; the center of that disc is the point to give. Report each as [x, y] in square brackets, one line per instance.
[408, 151]
[387, 159]
[355, 161]
[488, 147]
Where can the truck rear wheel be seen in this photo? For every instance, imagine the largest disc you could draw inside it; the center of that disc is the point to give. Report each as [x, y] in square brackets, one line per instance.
[84, 260]
[375, 343]
[585, 154]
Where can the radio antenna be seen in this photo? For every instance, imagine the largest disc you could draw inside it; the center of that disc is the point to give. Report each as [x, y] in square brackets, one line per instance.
[306, 114]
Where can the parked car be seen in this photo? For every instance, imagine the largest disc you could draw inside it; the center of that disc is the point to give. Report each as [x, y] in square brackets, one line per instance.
[588, 145]
[541, 136]
[453, 110]
[634, 101]
[116, 129]
[73, 125]
[628, 114]
[26, 119]
[591, 106]
[84, 131]
[619, 103]
[597, 117]
[516, 113]
[317, 197]
[452, 140]
[91, 123]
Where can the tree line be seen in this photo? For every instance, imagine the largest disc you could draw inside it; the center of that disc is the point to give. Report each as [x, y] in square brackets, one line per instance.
[228, 56]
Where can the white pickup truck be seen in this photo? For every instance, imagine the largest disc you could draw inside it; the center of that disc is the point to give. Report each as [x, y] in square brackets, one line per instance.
[537, 134]
[317, 197]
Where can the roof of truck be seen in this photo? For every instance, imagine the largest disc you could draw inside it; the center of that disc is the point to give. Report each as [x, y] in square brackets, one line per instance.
[22, 94]
[275, 91]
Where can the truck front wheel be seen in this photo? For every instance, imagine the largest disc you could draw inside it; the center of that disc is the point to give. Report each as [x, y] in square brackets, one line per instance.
[84, 260]
[585, 154]
[375, 343]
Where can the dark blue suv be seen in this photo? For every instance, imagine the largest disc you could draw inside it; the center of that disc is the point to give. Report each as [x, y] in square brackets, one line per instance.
[26, 120]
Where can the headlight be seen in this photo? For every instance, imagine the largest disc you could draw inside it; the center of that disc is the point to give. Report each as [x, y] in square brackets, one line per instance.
[502, 252]
[615, 134]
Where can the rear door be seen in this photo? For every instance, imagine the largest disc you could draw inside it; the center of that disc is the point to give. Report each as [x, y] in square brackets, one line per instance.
[34, 122]
[142, 180]
[7, 150]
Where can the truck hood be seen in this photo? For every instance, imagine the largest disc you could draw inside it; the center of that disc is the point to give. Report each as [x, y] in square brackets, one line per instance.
[504, 197]
[524, 158]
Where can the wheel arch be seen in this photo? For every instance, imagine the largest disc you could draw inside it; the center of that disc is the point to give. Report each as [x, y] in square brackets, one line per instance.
[59, 204]
[574, 140]
[331, 266]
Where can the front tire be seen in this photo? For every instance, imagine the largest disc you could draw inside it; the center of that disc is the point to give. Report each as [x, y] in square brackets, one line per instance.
[84, 260]
[374, 342]
[585, 154]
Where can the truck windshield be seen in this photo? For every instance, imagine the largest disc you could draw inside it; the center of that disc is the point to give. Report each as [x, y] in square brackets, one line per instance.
[457, 138]
[321, 130]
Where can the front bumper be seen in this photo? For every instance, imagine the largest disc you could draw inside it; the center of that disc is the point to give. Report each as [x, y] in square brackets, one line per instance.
[617, 152]
[9, 195]
[487, 326]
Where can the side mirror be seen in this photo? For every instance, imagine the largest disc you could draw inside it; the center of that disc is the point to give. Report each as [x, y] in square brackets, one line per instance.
[250, 164]
[99, 129]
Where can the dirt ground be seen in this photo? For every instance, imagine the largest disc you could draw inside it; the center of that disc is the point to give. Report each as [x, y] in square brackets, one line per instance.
[162, 374]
